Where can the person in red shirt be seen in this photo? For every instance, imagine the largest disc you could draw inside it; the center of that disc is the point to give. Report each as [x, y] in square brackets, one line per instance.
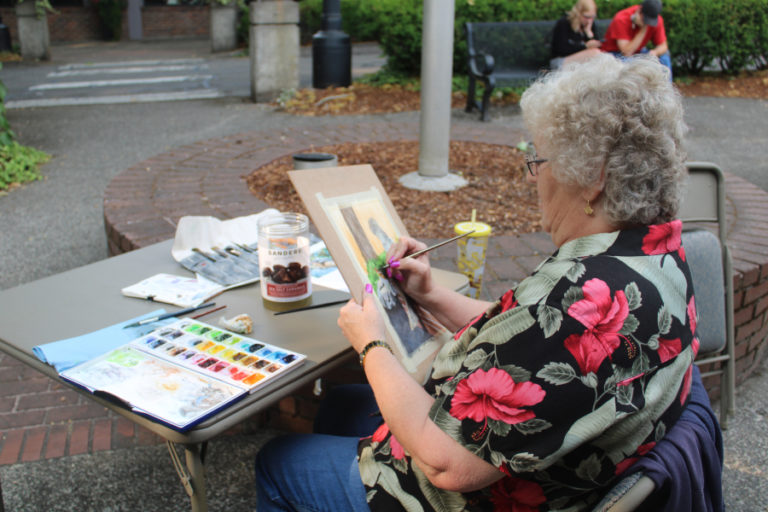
[633, 28]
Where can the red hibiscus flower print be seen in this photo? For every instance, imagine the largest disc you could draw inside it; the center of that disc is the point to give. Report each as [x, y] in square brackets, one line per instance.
[508, 301]
[669, 349]
[495, 395]
[663, 238]
[692, 318]
[512, 494]
[603, 317]
[626, 463]
[380, 435]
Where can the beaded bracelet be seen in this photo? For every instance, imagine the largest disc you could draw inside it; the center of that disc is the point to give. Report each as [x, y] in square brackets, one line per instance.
[369, 346]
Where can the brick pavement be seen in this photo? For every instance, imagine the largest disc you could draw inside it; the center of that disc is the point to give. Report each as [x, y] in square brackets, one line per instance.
[41, 419]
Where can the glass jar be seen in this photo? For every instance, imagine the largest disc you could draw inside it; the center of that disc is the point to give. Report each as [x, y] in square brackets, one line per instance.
[284, 259]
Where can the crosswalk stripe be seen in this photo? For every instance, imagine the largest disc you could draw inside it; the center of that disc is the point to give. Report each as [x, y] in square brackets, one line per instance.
[124, 71]
[116, 99]
[124, 81]
[128, 63]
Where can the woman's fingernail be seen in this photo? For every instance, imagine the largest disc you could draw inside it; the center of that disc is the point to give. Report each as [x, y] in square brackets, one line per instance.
[389, 271]
[395, 264]
[368, 288]
[399, 277]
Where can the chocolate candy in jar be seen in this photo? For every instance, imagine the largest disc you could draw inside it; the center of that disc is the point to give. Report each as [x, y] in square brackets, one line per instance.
[284, 260]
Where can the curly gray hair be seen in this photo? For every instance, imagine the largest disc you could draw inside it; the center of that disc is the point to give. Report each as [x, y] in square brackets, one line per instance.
[624, 115]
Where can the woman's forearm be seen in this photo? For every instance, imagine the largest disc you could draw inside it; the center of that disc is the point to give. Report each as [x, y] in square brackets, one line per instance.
[451, 308]
[405, 406]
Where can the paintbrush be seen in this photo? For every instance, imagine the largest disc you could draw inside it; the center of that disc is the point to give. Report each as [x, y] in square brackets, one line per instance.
[431, 247]
[169, 315]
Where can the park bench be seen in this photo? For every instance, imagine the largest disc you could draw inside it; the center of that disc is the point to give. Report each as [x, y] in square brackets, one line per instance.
[509, 54]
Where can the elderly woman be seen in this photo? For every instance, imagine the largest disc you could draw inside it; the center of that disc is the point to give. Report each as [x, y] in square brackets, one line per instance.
[543, 398]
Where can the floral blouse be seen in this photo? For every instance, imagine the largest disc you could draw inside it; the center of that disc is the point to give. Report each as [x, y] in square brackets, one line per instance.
[562, 384]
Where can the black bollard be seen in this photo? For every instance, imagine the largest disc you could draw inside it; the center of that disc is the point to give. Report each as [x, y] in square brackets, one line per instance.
[5, 38]
[331, 50]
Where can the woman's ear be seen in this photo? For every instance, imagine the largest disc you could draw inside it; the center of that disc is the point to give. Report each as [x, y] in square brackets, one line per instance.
[592, 192]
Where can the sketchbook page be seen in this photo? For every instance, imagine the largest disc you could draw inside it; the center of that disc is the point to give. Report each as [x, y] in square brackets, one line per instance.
[222, 251]
[323, 269]
[358, 223]
[171, 289]
[219, 353]
[173, 395]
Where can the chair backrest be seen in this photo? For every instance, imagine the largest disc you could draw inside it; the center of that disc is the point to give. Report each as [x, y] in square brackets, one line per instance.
[705, 203]
[704, 257]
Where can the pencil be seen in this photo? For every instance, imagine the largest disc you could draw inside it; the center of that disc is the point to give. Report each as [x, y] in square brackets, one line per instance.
[431, 247]
[208, 312]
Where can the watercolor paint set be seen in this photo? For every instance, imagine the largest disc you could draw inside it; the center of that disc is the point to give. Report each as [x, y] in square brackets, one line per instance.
[184, 372]
[228, 356]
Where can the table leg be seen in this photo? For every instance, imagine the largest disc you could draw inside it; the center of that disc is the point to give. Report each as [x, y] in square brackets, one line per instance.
[193, 475]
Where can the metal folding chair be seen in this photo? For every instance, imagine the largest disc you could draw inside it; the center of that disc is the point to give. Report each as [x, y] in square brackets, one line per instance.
[708, 256]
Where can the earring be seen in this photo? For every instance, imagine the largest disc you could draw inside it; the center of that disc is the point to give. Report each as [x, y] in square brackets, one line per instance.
[588, 209]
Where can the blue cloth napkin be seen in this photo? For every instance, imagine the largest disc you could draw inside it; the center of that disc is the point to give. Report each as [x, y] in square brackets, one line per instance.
[65, 354]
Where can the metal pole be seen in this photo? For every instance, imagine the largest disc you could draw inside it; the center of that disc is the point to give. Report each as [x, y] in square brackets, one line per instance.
[436, 75]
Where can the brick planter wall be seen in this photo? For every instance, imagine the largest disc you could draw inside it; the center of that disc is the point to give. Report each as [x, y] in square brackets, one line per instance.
[141, 208]
[74, 24]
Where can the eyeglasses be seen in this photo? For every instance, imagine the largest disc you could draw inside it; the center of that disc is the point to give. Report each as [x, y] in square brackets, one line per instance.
[533, 164]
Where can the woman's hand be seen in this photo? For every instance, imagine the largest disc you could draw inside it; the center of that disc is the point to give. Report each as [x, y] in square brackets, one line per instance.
[361, 324]
[414, 274]
[593, 43]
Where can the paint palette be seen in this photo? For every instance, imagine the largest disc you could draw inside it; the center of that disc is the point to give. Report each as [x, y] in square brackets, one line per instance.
[231, 357]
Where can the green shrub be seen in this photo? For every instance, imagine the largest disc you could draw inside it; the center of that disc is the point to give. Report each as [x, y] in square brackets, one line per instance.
[732, 34]
[18, 164]
[111, 16]
[359, 19]
[401, 26]
[243, 28]
[6, 134]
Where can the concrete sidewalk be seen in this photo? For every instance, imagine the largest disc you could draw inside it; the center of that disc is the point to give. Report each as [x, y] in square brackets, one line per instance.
[57, 224]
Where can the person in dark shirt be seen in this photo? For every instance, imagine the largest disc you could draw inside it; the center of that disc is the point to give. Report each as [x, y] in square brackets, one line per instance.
[575, 36]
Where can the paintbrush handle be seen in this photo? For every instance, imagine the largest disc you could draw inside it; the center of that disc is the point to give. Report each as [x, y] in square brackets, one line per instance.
[432, 247]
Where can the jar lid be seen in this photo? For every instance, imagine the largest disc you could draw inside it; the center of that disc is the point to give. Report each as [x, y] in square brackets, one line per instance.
[480, 228]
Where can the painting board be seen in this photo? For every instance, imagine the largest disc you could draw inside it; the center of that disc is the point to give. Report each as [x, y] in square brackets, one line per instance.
[358, 222]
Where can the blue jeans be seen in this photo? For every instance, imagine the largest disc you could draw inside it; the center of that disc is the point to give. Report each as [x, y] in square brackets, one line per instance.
[319, 472]
[665, 59]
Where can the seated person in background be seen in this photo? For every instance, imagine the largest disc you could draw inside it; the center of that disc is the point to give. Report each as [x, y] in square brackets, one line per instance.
[574, 37]
[543, 398]
[632, 28]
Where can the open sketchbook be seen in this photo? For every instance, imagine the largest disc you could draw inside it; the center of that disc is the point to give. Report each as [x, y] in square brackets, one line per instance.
[184, 372]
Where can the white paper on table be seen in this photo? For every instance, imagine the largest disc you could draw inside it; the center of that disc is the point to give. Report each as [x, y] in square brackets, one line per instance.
[204, 233]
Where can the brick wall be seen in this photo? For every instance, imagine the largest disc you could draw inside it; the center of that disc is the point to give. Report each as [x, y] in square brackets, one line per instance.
[74, 24]
[175, 21]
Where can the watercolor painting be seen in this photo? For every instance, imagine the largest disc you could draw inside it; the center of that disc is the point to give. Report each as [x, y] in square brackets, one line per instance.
[366, 231]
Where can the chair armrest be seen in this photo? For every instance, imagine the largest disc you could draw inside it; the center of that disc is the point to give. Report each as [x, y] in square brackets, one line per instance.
[481, 64]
